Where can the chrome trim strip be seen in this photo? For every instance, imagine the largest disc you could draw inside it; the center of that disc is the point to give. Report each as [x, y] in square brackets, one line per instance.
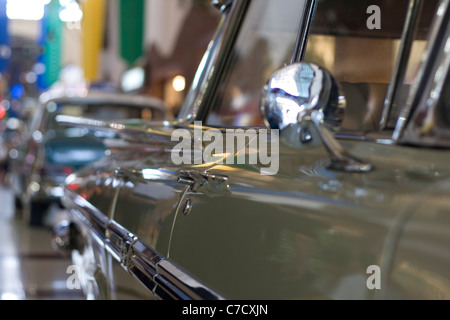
[93, 98]
[409, 31]
[425, 78]
[89, 215]
[158, 131]
[207, 69]
[156, 273]
[222, 5]
[143, 273]
[376, 136]
[303, 31]
[196, 290]
[225, 44]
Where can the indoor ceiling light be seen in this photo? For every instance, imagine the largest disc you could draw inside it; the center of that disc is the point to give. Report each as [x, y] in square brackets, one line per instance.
[25, 9]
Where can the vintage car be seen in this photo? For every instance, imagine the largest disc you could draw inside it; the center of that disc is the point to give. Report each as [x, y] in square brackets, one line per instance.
[309, 161]
[48, 152]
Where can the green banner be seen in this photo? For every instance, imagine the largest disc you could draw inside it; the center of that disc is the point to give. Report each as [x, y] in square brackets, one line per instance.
[131, 30]
[51, 41]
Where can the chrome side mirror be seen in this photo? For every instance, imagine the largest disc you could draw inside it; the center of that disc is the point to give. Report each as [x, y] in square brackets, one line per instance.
[304, 102]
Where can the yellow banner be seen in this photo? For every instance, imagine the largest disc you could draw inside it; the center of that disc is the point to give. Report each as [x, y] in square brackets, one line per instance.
[93, 25]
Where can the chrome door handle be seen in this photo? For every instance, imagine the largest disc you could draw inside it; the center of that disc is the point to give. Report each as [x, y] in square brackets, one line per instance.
[205, 182]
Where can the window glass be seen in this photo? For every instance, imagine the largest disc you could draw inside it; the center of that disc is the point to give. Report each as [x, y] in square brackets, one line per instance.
[265, 43]
[358, 42]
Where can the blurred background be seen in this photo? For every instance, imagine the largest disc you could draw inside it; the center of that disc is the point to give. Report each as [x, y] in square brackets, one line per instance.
[150, 47]
[72, 47]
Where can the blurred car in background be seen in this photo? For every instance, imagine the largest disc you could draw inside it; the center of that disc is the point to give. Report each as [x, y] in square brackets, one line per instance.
[3, 152]
[338, 189]
[49, 152]
[3, 145]
[11, 131]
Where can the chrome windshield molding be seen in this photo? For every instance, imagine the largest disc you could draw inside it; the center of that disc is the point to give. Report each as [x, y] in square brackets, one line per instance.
[424, 128]
[303, 31]
[222, 5]
[207, 67]
[198, 101]
[398, 76]
[424, 82]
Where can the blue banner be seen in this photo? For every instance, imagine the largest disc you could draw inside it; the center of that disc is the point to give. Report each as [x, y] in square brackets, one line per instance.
[5, 49]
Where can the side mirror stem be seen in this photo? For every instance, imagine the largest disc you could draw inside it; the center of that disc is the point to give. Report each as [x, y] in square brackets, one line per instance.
[340, 159]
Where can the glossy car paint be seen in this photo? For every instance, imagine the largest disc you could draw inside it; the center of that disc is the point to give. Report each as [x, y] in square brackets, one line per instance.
[307, 232]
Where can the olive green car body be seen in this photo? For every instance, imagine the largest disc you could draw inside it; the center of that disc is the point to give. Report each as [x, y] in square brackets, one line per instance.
[143, 227]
